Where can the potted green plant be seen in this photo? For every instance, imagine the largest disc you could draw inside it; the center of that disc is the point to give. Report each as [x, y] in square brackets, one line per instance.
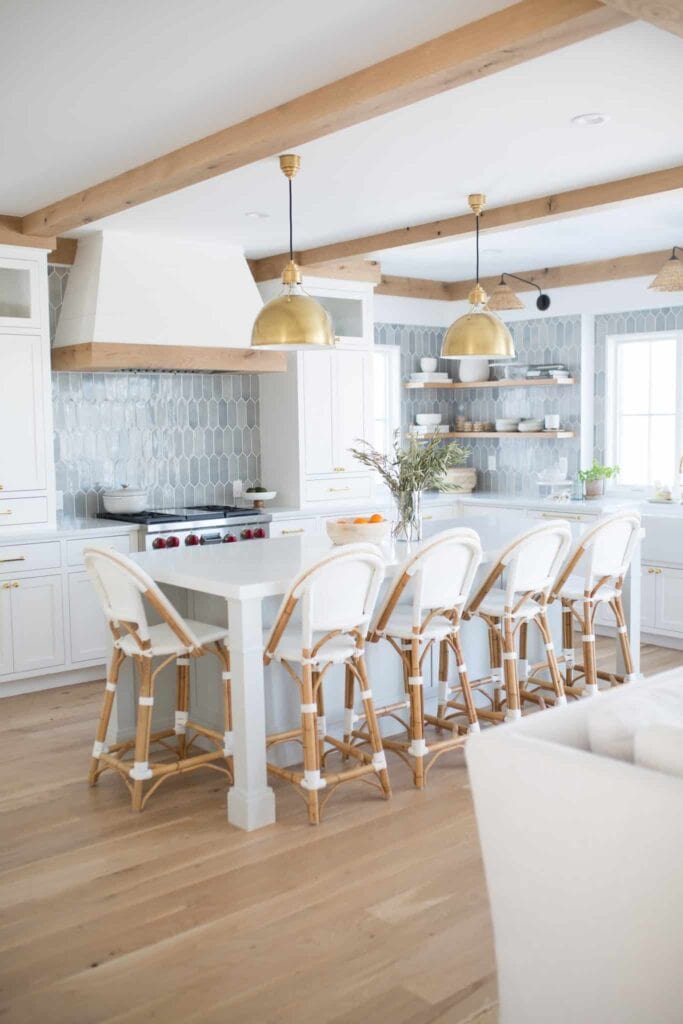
[593, 479]
[408, 472]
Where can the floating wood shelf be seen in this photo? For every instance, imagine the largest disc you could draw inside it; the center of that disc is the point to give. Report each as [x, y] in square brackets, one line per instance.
[456, 385]
[547, 434]
[103, 357]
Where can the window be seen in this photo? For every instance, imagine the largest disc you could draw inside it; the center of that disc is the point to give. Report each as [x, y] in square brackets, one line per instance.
[386, 397]
[645, 393]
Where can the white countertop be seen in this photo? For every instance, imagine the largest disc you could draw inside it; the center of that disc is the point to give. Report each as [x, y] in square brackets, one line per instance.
[65, 528]
[267, 568]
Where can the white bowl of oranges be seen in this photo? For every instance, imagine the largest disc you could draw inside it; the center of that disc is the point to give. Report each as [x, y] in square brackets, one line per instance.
[372, 529]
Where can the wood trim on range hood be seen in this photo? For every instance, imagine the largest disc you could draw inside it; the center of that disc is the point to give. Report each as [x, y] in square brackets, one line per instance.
[105, 356]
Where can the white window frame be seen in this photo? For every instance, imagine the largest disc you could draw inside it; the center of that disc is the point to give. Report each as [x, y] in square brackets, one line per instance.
[613, 341]
[392, 353]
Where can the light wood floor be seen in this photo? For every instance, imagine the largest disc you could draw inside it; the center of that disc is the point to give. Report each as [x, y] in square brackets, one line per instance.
[380, 914]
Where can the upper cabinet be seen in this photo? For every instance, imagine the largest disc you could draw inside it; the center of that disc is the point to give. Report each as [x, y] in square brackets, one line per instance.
[20, 304]
[26, 459]
[320, 408]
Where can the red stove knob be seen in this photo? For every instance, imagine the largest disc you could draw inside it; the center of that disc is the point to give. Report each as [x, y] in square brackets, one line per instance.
[159, 542]
[229, 538]
[247, 534]
[172, 542]
[191, 539]
[259, 532]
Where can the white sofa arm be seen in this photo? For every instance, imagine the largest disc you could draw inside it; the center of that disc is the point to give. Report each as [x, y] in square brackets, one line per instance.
[584, 866]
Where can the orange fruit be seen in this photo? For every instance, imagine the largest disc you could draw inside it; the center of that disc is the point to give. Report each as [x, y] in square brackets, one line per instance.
[377, 518]
[361, 519]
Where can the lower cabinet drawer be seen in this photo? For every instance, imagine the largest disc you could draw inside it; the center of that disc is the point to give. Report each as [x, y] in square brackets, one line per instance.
[26, 557]
[440, 512]
[334, 489]
[22, 511]
[290, 527]
[74, 548]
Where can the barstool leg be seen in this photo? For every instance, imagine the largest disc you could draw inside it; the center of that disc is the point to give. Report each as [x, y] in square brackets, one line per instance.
[182, 704]
[568, 642]
[348, 708]
[510, 670]
[418, 747]
[312, 780]
[551, 658]
[141, 771]
[443, 679]
[624, 642]
[588, 645]
[378, 756]
[496, 661]
[224, 655]
[322, 724]
[523, 663]
[465, 684]
[99, 745]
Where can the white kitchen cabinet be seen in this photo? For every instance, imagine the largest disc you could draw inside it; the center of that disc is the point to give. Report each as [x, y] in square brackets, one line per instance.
[37, 622]
[648, 580]
[669, 601]
[87, 625]
[26, 458]
[295, 527]
[6, 657]
[20, 304]
[312, 415]
[22, 413]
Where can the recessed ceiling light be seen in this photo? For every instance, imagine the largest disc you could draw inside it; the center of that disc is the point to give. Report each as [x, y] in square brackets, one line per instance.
[591, 120]
[256, 215]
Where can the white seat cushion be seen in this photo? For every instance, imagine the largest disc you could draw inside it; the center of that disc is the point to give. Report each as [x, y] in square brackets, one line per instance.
[613, 725]
[660, 747]
[164, 640]
[494, 605]
[574, 587]
[400, 625]
[337, 650]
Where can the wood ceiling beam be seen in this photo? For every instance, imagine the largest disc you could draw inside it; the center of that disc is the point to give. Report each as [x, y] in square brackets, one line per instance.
[663, 14]
[642, 264]
[64, 252]
[514, 215]
[11, 233]
[354, 269]
[502, 40]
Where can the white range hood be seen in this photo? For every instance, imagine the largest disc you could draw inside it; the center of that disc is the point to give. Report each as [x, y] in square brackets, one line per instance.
[148, 302]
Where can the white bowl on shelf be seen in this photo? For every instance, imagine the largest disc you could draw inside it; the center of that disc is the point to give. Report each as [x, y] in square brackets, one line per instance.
[428, 419]
[530, 426]
[506, 425]
[428, 364]
[345, 531]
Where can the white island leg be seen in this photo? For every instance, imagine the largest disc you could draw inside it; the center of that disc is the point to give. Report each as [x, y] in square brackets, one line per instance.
[251, 801]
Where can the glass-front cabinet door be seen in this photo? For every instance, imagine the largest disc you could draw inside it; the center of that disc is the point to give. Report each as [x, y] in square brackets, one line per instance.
[19, 305]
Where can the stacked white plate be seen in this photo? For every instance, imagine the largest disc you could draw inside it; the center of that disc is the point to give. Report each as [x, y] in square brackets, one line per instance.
[426, 378]
[434, 428]
[530, 426]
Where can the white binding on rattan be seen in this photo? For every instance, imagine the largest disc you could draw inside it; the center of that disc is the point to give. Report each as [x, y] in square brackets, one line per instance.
[509, 656]
[141, 771]
[227, 744]
[622, 629]
[225, 676]
[588, 638]
[182, 661]
[379, 760]
[110, 686]
[181, 718]
[415, 681]
[350, 719]
[146, 702]
[590, 690]
[99, 748]
[309, 709]
[512, 714]
[313, 780]
[418, 748]
[322, 727]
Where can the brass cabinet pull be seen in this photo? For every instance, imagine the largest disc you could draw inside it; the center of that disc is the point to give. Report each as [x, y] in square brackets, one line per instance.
[12, 583]
[15, 584]
[21, 558]
[654, 572]
[7, 512]
[339, 469]
[337, 490]
[300, 529]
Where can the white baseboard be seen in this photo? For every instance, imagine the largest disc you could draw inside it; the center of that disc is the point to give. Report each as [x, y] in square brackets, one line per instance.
[71, 677]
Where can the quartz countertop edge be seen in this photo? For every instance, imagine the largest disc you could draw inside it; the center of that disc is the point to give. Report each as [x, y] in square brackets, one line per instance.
[66, 528]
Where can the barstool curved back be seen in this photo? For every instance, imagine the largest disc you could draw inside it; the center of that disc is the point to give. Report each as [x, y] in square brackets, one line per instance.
[605, 551]
[336, 594]
[533, 559]
[438, 577]
[123, 587]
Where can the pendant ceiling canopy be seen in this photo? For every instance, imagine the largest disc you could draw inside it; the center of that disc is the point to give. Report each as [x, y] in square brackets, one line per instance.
[293, 320]
[670, 277]
[479, 334]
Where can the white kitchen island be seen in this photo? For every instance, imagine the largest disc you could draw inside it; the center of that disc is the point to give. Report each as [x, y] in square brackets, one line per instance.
[244, 583]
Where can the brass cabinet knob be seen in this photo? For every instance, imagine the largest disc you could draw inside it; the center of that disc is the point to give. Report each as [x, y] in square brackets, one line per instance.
[299, 530]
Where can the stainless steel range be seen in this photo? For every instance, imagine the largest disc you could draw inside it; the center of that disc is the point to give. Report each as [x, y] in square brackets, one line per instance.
[200, 524]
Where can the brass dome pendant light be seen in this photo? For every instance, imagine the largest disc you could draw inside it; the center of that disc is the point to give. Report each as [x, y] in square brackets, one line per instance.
[293, 320]
[479, 334]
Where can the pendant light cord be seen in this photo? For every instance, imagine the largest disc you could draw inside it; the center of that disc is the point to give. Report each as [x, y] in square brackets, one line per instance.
[291, 228]
[477, 234]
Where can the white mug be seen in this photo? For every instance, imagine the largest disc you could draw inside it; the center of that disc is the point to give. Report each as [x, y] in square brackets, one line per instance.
[428, 364]
[552, 421]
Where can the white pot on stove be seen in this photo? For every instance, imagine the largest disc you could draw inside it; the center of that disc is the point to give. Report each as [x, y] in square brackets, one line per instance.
[124, 500]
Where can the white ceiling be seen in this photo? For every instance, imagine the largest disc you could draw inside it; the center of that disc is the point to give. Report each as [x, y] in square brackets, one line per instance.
[99, 86]
[128, 81]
